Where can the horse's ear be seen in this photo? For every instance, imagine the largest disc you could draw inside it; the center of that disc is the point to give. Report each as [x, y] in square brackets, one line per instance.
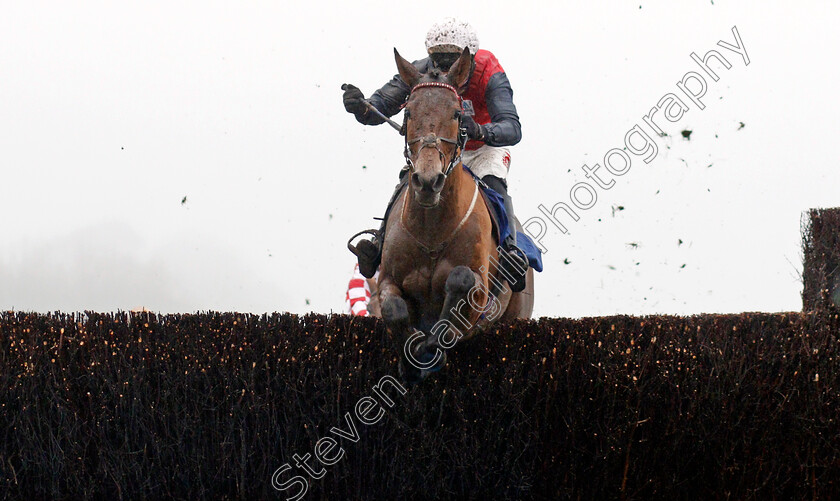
[459, 72]
[408, 72]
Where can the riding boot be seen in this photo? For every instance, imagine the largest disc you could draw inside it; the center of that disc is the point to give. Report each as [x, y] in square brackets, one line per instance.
[369, 251]
[514, 263]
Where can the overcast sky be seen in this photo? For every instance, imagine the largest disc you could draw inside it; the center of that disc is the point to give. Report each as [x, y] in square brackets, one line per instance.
[189, 156]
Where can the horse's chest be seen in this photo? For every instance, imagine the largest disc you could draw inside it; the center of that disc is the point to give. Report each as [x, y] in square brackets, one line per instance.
[426, 281]
[419, 281]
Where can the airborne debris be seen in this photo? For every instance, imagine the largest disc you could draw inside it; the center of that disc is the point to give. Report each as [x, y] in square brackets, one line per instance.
[741, 126]
[687, 134]
[184, 200]
[566, 261]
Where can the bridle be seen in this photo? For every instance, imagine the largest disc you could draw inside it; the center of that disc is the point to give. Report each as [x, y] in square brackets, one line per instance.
[433, 141]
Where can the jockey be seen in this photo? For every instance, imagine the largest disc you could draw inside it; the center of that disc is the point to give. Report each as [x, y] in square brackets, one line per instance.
[493, 127]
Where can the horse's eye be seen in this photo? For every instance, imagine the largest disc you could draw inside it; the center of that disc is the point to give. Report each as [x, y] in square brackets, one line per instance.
[457, 115]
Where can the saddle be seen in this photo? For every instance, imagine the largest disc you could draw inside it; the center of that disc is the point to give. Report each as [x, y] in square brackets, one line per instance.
[496, 207]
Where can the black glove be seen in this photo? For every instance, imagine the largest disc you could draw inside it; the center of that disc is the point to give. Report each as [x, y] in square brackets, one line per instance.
[474, 130]
[354, 100]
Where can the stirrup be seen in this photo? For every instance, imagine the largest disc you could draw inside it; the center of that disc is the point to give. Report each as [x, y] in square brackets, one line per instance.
[368, 252]
[352, 248]
[523, 258]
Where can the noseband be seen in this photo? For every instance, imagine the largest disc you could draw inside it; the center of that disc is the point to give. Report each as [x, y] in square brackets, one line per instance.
[432, 140]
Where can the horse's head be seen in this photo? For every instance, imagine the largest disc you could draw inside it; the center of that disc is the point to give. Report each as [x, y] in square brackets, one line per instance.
[432, 125]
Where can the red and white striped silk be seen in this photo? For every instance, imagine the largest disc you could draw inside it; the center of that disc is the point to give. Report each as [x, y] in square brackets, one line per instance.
[358, 294]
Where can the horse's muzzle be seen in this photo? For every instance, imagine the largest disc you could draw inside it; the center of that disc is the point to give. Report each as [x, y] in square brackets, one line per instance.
[428, 183]
[427, 188]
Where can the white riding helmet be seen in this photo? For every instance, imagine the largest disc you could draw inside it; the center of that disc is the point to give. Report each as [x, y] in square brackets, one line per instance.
[451, 35]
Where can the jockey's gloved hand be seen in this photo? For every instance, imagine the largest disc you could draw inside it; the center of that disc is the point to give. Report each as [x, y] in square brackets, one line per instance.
[354, 100]
[474, 130]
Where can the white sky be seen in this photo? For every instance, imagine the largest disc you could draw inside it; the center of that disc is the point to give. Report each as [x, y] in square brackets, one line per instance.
[111, 113]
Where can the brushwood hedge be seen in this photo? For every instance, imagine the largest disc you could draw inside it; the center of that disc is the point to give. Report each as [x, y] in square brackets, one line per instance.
[234, 406]
[821, 259]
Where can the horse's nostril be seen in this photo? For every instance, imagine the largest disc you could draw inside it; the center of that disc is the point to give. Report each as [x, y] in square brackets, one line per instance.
[416, 183]
[439, 180]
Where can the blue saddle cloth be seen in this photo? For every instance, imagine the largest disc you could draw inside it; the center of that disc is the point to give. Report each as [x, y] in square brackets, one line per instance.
[497, 205]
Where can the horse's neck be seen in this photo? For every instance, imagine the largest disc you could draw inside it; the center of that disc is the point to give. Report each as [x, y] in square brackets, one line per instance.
[435, 224]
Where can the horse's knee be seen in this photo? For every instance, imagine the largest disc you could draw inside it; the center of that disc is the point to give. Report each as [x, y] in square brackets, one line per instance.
[461, 279]
[394, 310]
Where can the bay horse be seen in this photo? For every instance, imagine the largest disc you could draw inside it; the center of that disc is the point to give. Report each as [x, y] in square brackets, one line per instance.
[439, 271]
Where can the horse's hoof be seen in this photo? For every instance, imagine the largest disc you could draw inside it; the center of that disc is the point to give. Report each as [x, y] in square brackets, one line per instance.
[460, 280]
[410, 374]
[435, 368]
[425, 353]
[394, 311]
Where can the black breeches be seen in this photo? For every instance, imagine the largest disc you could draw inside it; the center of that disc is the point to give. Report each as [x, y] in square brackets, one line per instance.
[498, 184]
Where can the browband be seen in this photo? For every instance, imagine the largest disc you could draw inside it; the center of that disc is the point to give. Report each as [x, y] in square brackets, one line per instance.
[436, 84]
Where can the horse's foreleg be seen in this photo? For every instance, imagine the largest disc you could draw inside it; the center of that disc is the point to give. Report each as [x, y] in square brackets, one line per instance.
[397, 319]
[460, 282]
[459, 313]
[394, 310]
